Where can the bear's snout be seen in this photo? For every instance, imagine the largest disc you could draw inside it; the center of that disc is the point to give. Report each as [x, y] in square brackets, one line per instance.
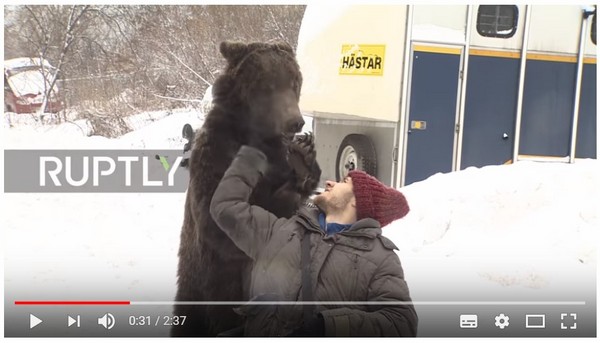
[295, 125]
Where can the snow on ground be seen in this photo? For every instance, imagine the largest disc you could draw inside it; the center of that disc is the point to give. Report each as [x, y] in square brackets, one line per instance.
[156, 129]
[526, 231]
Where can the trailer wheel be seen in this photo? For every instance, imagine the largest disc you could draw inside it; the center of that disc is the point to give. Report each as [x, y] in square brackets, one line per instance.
[356, 152]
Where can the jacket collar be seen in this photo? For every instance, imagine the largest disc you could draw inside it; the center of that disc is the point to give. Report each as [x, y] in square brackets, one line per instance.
[368, 228]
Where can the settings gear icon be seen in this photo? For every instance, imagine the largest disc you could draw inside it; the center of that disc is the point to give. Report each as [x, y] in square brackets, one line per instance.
[502, 321]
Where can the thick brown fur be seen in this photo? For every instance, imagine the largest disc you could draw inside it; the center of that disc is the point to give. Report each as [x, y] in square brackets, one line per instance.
[255, 102]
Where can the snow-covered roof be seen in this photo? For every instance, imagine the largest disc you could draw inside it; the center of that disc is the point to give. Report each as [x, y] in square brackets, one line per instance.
[24, 62]
[28, 82]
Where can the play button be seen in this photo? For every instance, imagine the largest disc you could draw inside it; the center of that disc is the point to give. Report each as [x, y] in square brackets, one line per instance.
[33, 321]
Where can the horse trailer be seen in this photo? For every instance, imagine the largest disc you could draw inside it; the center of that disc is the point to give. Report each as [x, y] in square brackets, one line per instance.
[407, 91]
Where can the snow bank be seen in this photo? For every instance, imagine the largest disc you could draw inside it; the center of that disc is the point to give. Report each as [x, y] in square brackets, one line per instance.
[497, 229]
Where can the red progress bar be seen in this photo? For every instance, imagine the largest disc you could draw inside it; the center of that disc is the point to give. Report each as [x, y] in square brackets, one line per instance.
[63, 302]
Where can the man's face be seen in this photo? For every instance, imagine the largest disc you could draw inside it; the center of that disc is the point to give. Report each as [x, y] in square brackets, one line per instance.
[337, 196]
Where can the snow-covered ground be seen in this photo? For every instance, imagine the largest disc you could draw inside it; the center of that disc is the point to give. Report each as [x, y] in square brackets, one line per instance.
[528, 230]
[523, 232]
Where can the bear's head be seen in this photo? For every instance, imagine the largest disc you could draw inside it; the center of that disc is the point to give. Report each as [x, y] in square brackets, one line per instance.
[264, 82]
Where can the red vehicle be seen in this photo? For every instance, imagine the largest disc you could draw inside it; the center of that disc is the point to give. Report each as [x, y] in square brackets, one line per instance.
[25, 82]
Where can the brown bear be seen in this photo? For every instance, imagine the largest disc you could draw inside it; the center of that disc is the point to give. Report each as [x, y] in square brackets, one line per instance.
[255, 102]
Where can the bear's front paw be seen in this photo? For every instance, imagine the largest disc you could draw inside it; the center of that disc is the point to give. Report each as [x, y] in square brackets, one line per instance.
[302, 158]
[305, 146]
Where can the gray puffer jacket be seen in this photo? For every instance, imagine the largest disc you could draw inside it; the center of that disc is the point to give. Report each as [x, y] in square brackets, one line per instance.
[357, 266]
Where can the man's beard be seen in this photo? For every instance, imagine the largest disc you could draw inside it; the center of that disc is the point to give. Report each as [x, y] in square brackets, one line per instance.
[320, 202]
[333, 204]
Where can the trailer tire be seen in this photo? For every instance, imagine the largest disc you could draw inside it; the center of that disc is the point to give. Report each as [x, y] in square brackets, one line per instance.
[356, 152]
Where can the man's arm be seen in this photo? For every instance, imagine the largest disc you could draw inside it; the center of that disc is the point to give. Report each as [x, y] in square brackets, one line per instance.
[381, 320]
[248, 226]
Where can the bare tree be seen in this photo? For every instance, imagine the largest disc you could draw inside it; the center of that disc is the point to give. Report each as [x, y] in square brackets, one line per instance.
[181, 42]
[73, 21]
[124, 59]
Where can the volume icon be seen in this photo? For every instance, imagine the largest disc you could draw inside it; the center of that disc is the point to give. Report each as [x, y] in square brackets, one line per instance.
[107, 320]
[71, 321]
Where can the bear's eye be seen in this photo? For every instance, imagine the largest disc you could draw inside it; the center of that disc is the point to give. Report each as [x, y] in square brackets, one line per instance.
[270, 87]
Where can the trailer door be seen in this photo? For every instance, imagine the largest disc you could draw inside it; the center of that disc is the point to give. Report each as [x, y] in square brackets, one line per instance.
[491, 103]
[432, 111]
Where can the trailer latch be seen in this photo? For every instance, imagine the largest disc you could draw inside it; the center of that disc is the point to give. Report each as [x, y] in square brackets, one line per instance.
[418, 124]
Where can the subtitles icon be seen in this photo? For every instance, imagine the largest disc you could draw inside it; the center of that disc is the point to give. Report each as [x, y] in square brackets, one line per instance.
[535, 321]
[468, 321]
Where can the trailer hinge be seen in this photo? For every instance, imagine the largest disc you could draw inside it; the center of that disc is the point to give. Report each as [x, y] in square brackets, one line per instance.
[457, 128]
[395, 154]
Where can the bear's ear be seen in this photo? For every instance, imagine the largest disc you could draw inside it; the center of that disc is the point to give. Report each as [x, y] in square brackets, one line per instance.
[285, 47]
[233, 51]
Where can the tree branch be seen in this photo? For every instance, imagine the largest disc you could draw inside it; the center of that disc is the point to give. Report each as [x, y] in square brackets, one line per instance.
[176, 99]
[188, 67]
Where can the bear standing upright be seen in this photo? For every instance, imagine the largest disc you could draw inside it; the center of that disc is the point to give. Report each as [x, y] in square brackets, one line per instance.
[255, 102]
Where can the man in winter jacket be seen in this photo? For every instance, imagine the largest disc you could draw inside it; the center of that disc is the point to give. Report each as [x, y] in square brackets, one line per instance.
[353, 277]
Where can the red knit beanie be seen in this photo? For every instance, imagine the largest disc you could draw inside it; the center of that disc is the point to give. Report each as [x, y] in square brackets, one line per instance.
[376, 200]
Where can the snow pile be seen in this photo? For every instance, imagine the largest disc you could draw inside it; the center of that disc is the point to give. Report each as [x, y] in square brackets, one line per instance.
[492, 231]
[151, 132]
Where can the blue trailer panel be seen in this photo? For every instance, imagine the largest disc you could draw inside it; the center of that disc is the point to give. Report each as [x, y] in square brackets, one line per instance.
[489, 119]
[432, 114]
[586, 128]
[547, 108]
